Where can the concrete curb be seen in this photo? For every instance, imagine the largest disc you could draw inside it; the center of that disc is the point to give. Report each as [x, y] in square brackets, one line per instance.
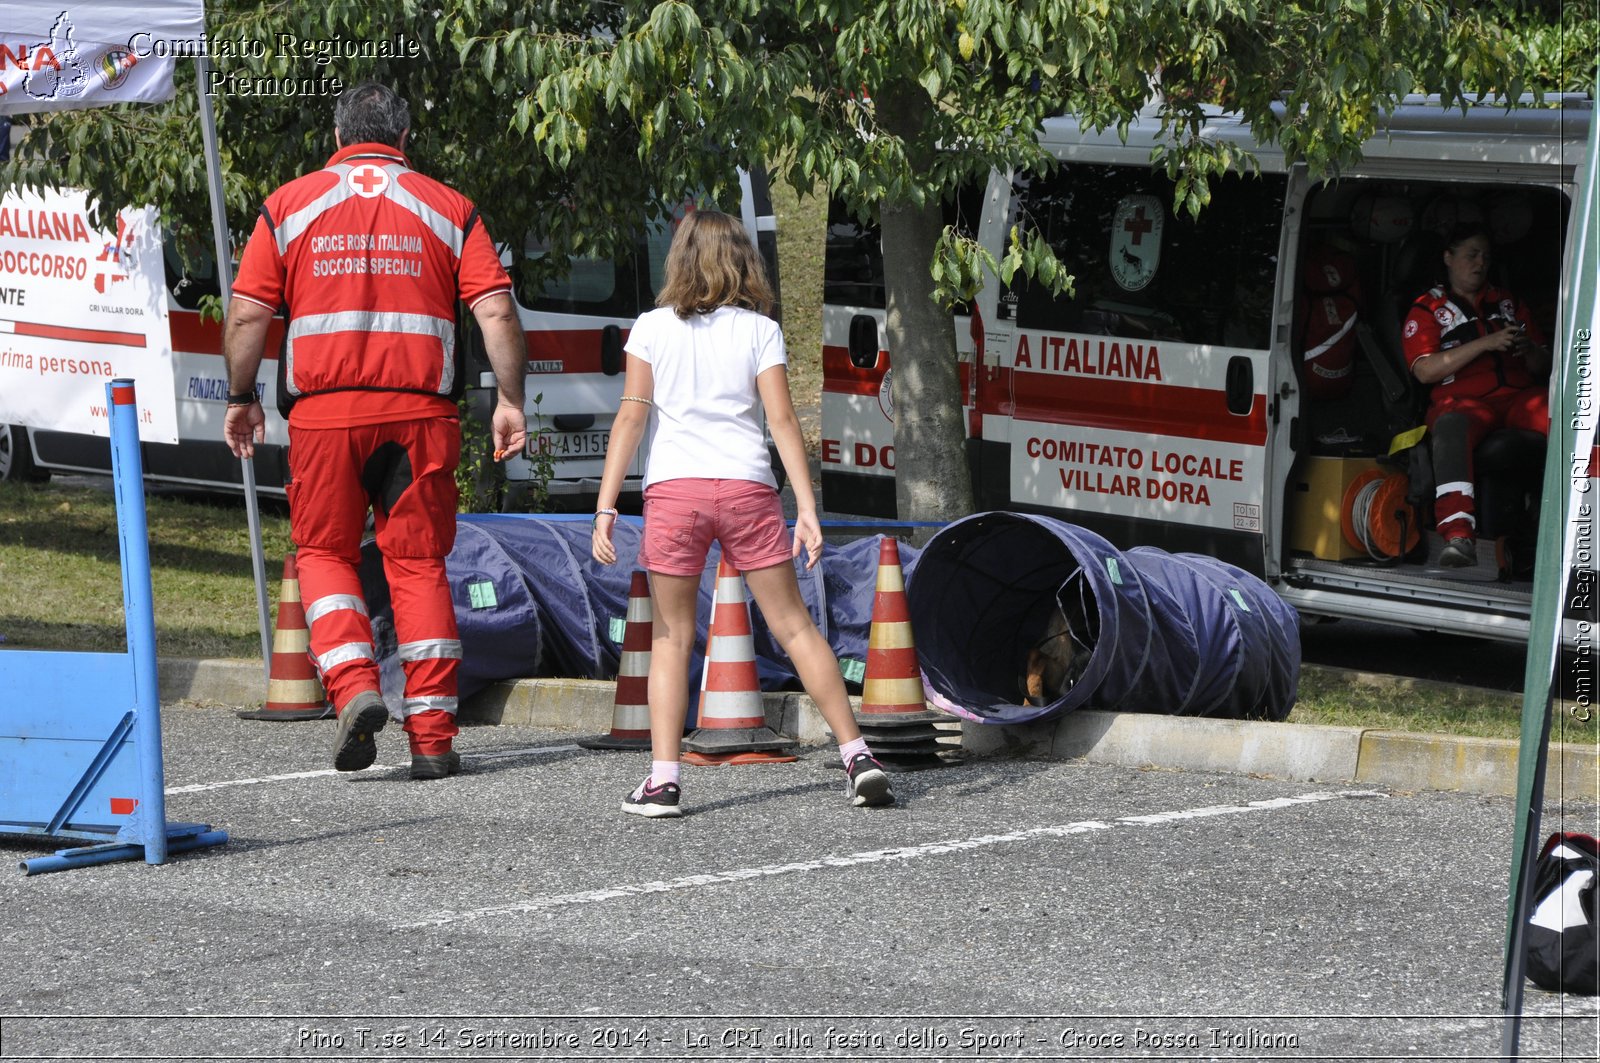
[1302, 752]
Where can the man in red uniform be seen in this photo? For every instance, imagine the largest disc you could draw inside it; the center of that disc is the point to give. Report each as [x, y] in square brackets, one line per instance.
[1475, 346]
[367, 258]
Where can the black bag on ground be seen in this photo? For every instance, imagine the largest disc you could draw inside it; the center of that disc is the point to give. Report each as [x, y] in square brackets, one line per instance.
[1563, 950]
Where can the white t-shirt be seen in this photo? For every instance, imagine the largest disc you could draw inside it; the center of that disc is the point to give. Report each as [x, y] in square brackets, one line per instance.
[706, 418]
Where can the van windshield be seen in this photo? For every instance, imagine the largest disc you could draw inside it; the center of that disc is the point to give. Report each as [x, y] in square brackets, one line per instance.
[1143, 271]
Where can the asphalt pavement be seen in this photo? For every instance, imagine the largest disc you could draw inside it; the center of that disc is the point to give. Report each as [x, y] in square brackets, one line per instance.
[1005, 909]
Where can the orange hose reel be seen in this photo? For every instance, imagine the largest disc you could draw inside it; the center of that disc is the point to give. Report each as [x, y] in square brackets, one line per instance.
[1387, 514]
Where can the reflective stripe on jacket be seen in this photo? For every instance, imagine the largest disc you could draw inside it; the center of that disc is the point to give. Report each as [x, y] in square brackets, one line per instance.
[369, 257]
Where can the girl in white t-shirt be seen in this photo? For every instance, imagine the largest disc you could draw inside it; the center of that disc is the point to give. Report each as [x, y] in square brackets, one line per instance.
[701, 368]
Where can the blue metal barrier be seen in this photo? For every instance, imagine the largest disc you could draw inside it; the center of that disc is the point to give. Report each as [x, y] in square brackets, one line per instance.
[80, 733]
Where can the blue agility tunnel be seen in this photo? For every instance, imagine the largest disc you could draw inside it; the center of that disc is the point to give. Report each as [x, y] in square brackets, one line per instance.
[995, 594]
[531, 601]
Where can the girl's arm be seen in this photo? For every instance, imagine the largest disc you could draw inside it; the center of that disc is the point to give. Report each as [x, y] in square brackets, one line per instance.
[773, 386]
[626, 431]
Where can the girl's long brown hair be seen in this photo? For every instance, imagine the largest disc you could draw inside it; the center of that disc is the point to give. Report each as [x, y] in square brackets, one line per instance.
[712, 264]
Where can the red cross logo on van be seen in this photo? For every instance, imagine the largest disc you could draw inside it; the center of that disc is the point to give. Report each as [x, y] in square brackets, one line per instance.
[1138, 225]
[1133, 261]
[368, 181]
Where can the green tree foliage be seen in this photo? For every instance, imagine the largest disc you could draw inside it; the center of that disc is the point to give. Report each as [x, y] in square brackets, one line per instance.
[461, 128]
[1556, 42]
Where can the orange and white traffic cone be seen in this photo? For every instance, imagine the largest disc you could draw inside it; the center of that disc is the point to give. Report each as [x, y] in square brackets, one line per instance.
[630, 719]
[732, 723]
[294, 692]
[893, 683]
[894, 716]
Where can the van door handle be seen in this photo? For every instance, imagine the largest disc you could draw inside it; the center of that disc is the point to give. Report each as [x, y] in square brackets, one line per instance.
[864, 341]
[1241, 385]
[611, 350]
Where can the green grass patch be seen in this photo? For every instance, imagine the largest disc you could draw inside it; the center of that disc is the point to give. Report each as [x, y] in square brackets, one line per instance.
[61, 573]
[1394, 703]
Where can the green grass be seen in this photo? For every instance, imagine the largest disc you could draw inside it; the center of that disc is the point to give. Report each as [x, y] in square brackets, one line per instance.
[1388, 703]
[61, 582]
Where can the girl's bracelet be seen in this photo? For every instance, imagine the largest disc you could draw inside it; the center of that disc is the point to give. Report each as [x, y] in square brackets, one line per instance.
[603, 513]
[637, 398]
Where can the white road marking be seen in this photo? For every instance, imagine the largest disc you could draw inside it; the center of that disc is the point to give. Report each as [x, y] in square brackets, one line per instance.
[201, 787]
[530, 751]
[902, 853]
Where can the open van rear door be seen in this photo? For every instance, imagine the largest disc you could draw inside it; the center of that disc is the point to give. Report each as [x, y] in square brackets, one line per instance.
[1141, 404]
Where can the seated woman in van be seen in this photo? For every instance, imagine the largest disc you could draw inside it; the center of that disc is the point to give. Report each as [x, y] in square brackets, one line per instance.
[1484, 361]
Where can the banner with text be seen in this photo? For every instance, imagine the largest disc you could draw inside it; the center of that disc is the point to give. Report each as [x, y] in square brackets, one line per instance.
[79, 306]
[57, 55]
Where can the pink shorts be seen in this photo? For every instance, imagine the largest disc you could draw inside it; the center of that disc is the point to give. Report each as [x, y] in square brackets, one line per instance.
[682, 516]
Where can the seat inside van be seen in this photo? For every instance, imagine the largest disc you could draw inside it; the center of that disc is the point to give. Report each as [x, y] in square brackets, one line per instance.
[1394, 234]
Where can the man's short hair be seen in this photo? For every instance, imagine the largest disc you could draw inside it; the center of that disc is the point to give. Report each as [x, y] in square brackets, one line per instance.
[371, 113]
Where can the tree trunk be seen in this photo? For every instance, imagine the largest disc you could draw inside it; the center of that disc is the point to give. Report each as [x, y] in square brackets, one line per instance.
[932, 481]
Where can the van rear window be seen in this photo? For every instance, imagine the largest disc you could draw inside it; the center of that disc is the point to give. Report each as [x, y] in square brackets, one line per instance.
[853, 261]
[1143, 271]
[601, 287]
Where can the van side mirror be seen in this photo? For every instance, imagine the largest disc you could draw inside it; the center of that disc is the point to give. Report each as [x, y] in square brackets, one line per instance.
[863, 341]
[1241, 385]
[611, 350]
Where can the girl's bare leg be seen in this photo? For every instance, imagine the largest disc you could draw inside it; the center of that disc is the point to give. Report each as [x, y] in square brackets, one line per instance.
[671, 639]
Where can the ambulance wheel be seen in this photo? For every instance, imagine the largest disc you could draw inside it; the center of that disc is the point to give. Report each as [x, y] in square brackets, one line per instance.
[16, 457]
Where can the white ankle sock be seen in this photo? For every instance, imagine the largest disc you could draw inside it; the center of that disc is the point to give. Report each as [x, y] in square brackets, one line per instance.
[664, 771]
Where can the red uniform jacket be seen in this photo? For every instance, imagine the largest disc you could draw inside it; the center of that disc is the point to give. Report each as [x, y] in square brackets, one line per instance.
[1437, 323]
[368, 257]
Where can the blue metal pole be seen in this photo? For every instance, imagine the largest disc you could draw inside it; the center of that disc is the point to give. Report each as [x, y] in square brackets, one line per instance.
[138, 603]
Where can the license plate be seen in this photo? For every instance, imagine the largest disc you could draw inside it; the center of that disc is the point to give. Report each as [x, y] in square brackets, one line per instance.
[569, 446]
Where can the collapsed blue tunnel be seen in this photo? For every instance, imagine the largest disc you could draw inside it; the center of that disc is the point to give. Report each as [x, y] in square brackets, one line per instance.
[1148, 631]
[530, 600]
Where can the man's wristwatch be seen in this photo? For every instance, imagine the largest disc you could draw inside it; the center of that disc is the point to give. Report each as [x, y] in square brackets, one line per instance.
[243, 398]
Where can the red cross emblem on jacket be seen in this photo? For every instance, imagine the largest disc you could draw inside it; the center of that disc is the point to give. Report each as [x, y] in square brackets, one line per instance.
[368, 181]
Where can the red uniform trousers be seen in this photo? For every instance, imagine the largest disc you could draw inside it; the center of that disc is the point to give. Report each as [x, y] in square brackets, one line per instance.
[405, 470]
[1457, 426]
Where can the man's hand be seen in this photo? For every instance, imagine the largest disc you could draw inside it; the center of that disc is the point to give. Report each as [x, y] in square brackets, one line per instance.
[243, 428]
[508, 355]
[510, 427]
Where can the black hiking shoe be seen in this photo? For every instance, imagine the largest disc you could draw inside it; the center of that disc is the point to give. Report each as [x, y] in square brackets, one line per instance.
[435, 765]
[360, 719]
[1459, 552]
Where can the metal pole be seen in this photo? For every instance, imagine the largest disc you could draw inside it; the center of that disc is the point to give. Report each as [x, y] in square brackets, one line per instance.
[219, 233]
[138, 605]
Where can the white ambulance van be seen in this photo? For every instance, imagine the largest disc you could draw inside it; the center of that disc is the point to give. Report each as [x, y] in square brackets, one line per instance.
[1233, 384]
[200, 389]
[575, 329]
